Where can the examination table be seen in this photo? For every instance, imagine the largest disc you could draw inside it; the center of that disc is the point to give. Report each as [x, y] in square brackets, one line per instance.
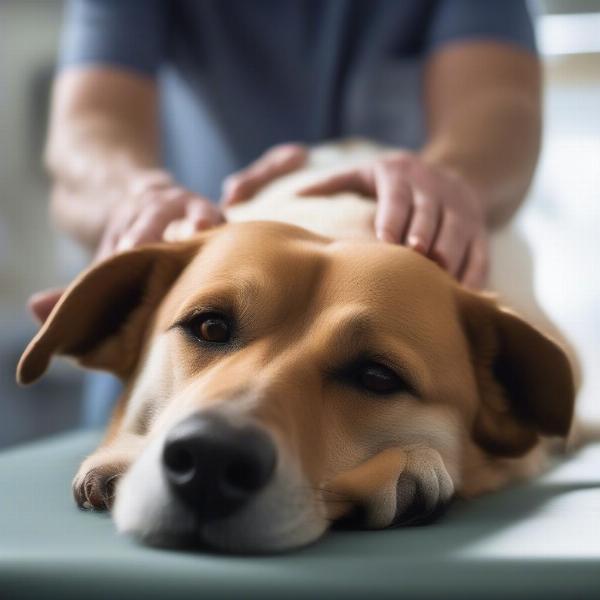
[540, 539]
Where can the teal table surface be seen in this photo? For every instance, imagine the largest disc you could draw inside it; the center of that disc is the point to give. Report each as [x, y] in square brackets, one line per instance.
[540, 539]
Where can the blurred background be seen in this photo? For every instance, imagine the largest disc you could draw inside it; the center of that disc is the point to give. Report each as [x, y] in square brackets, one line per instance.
[561, 219]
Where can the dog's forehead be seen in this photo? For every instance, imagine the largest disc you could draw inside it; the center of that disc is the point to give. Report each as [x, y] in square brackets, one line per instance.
[272, 243]
[268, 243]
[403, 292]
[377, 267]
[313, 269]
[256, 254]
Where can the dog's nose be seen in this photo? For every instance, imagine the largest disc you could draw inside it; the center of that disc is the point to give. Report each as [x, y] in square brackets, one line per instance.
[215, 467]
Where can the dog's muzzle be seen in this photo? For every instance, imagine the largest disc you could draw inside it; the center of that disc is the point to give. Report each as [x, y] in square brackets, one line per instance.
[216, 467]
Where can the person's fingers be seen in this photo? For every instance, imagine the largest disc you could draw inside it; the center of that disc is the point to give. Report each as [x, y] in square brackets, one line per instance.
[357, 180]
[394, 202]
[200, 215]
[110, 239]
[203, 215]
[154, 180]
[40, 304]
[147, 228]
[475, 271]
[179, 230]
[122, 219]
[424, 223]
[276, 162]
[173, 205]
[152, 221]
[451, 243]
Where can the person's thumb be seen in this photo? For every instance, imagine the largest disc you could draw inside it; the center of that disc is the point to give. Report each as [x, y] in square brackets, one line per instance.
[199, 216]
[203, 214]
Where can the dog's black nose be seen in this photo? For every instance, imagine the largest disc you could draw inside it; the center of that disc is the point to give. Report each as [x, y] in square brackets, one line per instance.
[215, 467]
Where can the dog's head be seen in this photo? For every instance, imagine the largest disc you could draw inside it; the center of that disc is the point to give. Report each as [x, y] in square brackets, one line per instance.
[281, 381]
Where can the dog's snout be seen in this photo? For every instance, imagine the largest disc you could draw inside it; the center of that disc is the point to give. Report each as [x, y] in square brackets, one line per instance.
[216, 467]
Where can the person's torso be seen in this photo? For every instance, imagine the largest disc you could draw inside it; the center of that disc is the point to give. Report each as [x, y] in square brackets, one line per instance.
[240, 77]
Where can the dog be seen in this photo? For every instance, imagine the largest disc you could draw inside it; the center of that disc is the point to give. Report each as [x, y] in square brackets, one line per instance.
[286, 372]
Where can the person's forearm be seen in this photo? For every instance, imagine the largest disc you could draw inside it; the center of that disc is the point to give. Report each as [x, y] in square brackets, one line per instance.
[487, 128]
[96, 146]
[91, 167]
[493, 141]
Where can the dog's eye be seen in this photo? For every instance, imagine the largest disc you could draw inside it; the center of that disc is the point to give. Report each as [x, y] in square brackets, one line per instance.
[210, 327]
[379, 379]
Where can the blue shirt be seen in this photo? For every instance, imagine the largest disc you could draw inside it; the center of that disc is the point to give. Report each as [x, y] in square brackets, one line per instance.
[238, 76]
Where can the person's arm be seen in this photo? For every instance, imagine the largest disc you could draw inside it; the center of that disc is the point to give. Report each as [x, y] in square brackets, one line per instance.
[483, 112]
[483, 107]
[102, 135]
[109, 192]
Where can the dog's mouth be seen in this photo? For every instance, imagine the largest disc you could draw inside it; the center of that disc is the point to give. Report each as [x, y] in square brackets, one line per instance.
[234, 537]
[253, 530]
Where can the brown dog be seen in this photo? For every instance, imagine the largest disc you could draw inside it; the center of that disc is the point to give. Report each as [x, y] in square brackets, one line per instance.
[277, 380]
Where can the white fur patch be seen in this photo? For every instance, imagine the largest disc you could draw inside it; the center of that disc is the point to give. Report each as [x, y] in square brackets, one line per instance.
[152, 385]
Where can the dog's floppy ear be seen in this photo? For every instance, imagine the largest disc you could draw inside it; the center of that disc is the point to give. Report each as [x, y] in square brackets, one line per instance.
[101, 318]
[525, 381]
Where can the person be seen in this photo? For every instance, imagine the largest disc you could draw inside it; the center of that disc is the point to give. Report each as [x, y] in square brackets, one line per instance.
[158, 106]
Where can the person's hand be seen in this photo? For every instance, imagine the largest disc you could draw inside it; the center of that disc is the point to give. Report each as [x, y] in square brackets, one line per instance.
[426, 207]
[155, 208]
[274, 163]
[423, 206]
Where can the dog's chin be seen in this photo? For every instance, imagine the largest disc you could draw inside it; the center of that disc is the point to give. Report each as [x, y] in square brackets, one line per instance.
[279, 519]
[227, 538]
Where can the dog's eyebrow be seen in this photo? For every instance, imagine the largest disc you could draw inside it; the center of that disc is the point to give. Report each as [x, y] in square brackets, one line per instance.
[357, 333]
[230, 295]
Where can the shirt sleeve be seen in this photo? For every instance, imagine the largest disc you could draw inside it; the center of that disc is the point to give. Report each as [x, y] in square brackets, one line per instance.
[122, 33]
[500, 20]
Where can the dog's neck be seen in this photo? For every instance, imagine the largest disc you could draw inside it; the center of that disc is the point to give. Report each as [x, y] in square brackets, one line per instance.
[341, 216]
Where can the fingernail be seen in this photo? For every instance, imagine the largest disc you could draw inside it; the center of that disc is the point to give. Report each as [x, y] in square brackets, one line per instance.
[305, 191]
[187, 228]
[125, 243]
[385, 236]
[231, 196]
[199, 224]
[415, 243]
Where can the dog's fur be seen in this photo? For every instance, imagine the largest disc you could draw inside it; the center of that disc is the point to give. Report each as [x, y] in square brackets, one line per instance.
[311, 292]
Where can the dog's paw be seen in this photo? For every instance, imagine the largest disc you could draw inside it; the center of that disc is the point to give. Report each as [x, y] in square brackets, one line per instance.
[94, 486]
[398, 486]
[424, 489]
